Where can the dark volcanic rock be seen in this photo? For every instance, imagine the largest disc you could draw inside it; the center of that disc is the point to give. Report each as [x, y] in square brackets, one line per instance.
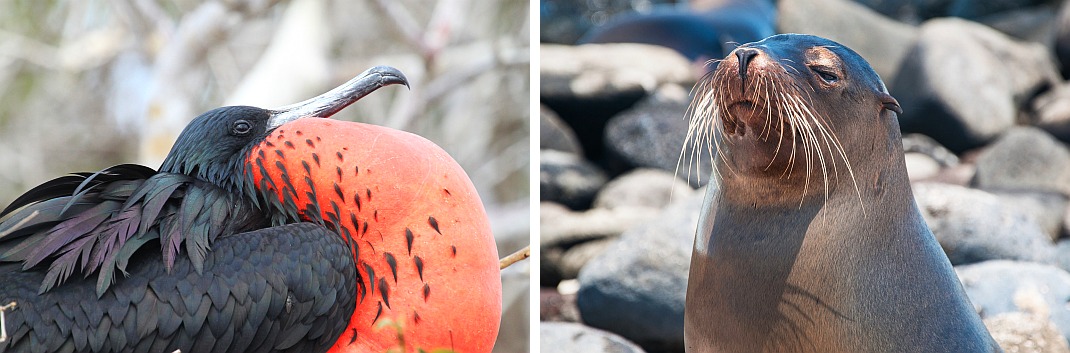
[586, 85]
[565, 234]
[1024, 158]
[996, 287]
[975, 9]
[1051, 111]
[883, 42]
[1062, 255]
[1026, 333]
[567, 179]
[1035, 24]
[637, 287]
[555, 134]
[1062, 39]
[1047, 209]
[554, 306]
[926, 158]
[963, 82]
[648, 188]
[565, 21]
[973, 225]
[567, 337]
[652, 135]
[914, 11]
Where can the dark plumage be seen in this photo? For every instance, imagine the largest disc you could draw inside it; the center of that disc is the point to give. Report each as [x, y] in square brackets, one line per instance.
[93, 223]
[207, 264]
[201, 270]
[282, 289]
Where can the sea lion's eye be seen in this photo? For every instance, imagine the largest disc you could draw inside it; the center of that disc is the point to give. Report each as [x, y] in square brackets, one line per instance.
[241, 128]
[825, 75]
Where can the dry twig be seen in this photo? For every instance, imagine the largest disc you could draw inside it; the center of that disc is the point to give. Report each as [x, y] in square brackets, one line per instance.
[515, 257]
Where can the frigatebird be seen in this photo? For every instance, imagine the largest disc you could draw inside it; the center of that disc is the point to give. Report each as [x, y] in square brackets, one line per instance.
[228, 248]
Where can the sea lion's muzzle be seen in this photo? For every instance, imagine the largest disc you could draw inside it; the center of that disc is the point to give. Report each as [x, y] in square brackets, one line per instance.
[746, 88]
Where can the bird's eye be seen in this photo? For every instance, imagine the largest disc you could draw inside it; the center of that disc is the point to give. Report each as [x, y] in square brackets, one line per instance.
[825, 75]
[241, 128]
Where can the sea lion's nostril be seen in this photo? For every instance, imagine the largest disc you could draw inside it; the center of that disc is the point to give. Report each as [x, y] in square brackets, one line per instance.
[744, 55]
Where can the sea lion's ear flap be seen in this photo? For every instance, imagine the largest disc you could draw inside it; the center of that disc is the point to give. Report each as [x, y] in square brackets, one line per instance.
[889, 102]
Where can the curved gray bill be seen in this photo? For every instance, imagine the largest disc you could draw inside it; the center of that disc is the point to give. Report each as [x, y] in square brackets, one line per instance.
[340, 97]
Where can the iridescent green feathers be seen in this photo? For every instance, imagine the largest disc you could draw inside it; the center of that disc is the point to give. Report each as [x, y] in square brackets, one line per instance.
[94, 223]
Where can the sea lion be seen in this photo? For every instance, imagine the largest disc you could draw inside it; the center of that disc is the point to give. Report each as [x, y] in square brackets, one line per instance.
[810, 240]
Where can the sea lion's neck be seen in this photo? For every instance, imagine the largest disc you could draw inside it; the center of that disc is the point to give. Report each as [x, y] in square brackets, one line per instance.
[781, 226]
[802, 269]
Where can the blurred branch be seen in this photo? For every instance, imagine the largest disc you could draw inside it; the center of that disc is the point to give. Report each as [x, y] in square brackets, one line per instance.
[405, 24]
[449, 81]
[170, 105]
[29, 50]
[145, 19]
[440, 28]
[510, 159]
[304, 31]
[510, 222]
[515, 257]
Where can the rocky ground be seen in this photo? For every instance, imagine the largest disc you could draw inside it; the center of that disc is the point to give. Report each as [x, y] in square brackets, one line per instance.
[986, 127]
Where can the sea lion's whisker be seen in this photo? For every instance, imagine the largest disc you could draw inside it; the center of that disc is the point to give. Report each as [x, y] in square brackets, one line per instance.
[781, 114]
[821, 120]
[835, 147]
[696, 122]
[811, 144]
[718, 114]
[815, 144]
[722, 149]
[704, 129]
[808, 110]
[792, 67]
[794, 138]
[794, 120]
[808, 149]
[707, 63]
[850, 170]
[768, 126]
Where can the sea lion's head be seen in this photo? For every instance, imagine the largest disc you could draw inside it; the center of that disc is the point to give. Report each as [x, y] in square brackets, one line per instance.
[794, 109]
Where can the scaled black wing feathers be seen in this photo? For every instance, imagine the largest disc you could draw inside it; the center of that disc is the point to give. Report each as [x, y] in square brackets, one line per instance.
[280, 289]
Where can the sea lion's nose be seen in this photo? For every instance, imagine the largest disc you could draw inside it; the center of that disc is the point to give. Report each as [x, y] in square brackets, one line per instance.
[744, 56]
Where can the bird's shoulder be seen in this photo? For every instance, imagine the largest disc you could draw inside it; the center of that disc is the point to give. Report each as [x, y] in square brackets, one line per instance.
[94, 222]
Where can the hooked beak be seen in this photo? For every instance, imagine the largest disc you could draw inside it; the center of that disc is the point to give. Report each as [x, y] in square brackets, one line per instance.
[338, 98]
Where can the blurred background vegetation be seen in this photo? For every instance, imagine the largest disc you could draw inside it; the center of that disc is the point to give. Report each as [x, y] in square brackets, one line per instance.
[89, 84]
